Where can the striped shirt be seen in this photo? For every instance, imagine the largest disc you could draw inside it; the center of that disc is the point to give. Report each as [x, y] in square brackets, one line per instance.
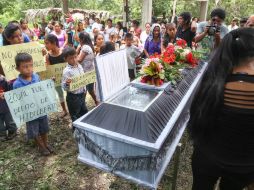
[69, 72]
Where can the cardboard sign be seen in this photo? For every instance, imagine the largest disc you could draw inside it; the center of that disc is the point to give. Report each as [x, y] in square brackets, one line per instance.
[53, 71]
[32, 101]
[82, 80]
[8, 53]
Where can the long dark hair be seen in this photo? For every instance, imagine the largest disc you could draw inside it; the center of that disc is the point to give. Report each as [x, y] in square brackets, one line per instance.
[85, 39]
[8, 32]
[52, 39]
[235, 49]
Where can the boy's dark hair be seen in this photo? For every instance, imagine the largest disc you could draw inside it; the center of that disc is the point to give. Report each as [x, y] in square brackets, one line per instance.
[186, 17]
[109, 20]
[219, 13]
[244, 20]
[107, 47]
[21, 58]
[68, 51]
[129, 35]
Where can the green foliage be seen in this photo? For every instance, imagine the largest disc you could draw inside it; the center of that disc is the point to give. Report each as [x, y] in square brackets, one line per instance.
[10, 10]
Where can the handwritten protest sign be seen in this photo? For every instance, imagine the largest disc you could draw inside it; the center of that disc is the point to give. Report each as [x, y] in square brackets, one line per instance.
[32, 101]
[8, 53]
[53, 71]
[82, 80]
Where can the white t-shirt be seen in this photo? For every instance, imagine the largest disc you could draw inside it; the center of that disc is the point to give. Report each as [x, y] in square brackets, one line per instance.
[143, 37]
[107, 32]
[232, 28]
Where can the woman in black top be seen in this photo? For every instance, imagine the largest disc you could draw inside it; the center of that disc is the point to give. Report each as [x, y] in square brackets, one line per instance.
[222, 117]
[53, 57]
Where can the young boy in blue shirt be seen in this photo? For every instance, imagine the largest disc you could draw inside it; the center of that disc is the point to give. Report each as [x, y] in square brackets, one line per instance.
[36, 129]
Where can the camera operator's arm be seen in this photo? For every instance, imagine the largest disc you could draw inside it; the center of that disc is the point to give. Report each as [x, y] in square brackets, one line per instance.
[217, 39]
[199, 37]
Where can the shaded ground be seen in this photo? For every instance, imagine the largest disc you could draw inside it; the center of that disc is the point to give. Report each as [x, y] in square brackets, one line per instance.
[21, 166]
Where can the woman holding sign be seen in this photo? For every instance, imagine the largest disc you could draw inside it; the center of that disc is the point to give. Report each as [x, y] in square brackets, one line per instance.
[86, 59]
[11, 35]
[53, 57]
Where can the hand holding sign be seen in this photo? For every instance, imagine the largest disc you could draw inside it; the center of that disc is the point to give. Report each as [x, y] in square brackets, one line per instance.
[82, 80]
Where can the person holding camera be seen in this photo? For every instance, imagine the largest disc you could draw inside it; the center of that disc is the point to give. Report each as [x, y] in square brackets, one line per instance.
[209, 34]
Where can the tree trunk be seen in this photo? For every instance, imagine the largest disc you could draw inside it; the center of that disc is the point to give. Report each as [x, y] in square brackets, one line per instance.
[65, 6]
[174, 11]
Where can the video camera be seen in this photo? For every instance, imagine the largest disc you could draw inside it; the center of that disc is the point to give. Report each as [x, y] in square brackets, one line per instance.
[213, 29]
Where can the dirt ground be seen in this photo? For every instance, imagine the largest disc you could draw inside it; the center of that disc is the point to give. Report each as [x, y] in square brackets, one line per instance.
[22, 167]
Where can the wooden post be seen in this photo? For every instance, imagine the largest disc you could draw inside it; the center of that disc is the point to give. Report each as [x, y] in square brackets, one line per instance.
[65, 6]
[125, 13]
[203, 9]
[147, 7]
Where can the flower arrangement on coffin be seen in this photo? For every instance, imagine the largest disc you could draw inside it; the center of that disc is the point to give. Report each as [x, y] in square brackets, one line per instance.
[176, 58]
[152, 72]
[173, 60]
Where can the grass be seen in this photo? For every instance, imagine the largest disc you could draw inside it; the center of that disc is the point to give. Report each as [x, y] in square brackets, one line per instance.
[22, 167]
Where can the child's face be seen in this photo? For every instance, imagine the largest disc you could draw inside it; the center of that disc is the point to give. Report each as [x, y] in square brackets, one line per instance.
[72, 59]
[128, 41]
[171, 31]
[26, 68]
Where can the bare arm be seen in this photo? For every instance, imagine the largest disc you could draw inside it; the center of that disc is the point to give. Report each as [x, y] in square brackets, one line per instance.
[65, 40]
[47, 60]
[146, 53]
[81, 56]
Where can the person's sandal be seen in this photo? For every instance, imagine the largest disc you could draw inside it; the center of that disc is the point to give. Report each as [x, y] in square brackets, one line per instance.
[44, 152]
[50, 149]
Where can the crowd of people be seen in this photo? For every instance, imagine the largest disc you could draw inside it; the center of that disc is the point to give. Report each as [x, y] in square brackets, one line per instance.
[221, 147]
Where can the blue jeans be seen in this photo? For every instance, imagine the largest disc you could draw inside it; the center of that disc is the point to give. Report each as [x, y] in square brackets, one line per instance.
[7, 124]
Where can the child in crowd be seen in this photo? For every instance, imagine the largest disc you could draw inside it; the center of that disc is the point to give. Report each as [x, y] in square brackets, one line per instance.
[170, 35]
[133, 53]
[6, 122]
[75, 99]
[36, 129]
[55, 56]
[106, 48]
[113, 39]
